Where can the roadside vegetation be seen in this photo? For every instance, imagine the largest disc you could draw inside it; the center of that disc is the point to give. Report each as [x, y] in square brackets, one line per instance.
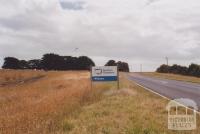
[173, 77]
[64, 103]
[192, 70]
[52, 62]
[130, 110]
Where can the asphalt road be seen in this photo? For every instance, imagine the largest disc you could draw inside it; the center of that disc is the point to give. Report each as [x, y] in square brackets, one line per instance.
[169, 88]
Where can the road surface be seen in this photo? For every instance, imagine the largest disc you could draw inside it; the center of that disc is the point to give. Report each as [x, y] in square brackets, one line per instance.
[171, 89]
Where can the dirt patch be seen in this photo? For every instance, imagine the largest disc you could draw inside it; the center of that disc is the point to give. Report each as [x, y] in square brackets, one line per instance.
[29, 80]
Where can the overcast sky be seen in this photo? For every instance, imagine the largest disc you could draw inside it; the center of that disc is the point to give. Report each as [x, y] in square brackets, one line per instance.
[135, 31]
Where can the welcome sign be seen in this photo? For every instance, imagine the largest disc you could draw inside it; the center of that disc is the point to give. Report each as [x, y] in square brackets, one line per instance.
[104, 73]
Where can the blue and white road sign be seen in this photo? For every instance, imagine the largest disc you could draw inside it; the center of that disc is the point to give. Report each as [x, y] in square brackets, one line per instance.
[104, 73]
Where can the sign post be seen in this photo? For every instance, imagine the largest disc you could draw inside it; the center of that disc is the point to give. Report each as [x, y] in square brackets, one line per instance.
[117, 77]
[105, 74]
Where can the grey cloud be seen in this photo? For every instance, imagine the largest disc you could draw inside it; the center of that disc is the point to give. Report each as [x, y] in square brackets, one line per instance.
[18, 22]
[25, 22]
[138, 37]
[149, 2]
[68, 5]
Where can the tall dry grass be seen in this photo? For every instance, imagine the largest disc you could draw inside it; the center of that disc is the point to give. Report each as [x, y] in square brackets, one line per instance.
[10, 76]
[62, 103]
[130, 110]
[38, 107]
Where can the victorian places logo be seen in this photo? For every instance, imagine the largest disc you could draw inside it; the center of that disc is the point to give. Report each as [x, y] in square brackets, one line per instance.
[182, 114]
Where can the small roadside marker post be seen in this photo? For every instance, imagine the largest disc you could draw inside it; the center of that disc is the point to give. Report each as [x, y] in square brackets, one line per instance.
[91, 77]
[117, 77]
[104, 74]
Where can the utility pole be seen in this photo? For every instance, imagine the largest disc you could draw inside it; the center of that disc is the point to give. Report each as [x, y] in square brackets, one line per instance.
[167, 60]
[141, 68]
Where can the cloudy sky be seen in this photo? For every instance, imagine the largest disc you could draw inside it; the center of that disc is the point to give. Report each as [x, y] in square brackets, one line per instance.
[136, 31]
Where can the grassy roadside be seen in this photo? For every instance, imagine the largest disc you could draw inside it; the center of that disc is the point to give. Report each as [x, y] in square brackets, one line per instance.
[130, 110]
[63, 103]
[173, 77]
[38, 107]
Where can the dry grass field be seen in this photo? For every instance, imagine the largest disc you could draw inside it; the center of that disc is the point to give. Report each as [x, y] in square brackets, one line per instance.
[130, 110]
[63, 103]
[38, 106]
[11, 76]
[173, 77]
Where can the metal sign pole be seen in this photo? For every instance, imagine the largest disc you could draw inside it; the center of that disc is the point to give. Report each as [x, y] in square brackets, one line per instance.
[117, 77]
[91, 84]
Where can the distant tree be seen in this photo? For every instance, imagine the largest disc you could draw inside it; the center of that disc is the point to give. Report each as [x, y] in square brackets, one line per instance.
[73, 63]
[163, 69]
[85, 63]
[177, 69]
[56, 62]
[122, 66]
[23, 64]
[11, 63]
[111, 63]
[174, 69]
[184, 70]
[127, 67]
[35, 64]
[194, 70]
[52, 62]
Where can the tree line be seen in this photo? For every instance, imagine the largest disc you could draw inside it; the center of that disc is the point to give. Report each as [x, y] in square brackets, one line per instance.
[192, 70]
[50, 62]
[122, 66]
[56, 62]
